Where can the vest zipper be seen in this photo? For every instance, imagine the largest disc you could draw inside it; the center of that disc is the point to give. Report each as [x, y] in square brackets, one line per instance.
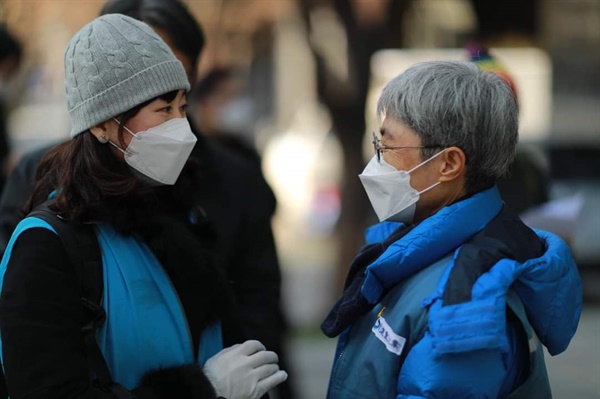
[335, 365]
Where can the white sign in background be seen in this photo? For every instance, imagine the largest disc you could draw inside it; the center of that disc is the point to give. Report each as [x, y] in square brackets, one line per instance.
[530, 68]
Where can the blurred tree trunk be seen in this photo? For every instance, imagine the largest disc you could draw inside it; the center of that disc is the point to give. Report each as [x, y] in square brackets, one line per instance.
[367, 25]
[506, 20]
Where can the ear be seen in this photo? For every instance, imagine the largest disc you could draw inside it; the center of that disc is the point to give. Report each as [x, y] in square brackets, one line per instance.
[103, 132]
[453, 165]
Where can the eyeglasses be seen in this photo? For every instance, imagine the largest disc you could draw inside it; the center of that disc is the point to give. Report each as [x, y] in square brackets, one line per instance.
[379, 148]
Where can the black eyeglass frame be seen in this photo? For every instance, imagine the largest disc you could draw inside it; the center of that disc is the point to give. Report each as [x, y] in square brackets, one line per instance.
[379, 148]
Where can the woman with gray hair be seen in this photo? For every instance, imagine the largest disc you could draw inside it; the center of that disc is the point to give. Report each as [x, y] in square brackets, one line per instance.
[452, 291]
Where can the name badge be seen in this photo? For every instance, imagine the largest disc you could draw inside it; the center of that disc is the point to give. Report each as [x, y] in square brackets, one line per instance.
[392, 341]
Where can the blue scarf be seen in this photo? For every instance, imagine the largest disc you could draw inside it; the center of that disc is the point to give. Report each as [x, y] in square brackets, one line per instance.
[145, 326]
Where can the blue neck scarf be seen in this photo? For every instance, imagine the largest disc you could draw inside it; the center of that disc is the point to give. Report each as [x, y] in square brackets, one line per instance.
[145, 327]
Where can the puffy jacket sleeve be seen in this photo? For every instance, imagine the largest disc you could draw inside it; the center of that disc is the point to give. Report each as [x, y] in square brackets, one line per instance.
[473, 375]
[40, 323]
[470, 375]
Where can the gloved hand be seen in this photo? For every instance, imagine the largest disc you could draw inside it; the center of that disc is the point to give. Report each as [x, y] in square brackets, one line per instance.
[244, 371]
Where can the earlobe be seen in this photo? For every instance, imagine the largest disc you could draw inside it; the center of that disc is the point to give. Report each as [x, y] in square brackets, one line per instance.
[103, 139]
[100, 131]
[453, 165]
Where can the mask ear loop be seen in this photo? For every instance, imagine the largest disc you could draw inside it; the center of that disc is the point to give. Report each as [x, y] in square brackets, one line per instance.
[128, 131]
[429, 188]
[423, 163]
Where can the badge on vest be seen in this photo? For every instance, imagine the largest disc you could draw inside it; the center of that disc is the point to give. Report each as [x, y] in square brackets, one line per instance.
[392, 341]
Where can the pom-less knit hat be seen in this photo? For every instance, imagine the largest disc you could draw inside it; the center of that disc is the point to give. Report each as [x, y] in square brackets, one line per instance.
[113, 64]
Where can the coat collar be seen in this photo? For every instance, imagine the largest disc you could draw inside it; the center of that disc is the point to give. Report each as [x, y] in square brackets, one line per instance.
[431, 239]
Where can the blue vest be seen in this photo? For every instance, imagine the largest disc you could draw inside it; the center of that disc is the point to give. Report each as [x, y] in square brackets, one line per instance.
[363, 357]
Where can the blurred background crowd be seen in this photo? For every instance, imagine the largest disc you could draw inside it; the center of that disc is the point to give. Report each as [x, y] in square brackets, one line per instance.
[291, 84]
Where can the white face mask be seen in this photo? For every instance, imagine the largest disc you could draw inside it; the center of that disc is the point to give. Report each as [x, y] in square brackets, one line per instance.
[390, 192]
[160, 152]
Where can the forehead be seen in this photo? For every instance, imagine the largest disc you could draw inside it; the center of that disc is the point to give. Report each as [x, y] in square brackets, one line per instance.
[160, 102]
[393, 130]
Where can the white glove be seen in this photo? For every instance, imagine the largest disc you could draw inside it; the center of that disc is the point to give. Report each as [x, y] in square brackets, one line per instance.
[244, 371]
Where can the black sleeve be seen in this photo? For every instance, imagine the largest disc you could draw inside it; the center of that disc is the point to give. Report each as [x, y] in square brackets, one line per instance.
[16, 191]
[255, 268]
[40, 323]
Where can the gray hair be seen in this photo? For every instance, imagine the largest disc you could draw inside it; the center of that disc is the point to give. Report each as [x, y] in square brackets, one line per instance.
[454, 103]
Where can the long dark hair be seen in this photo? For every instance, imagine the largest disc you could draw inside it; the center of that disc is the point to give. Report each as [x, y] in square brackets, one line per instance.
[88, 182]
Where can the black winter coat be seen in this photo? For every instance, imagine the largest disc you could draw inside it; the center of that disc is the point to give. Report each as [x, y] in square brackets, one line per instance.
[238, 204]
[41, 319]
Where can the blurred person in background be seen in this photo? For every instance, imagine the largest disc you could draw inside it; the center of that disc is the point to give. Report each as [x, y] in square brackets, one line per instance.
[236, 202]
[217, 110]
[527, 182]
[10, 59]
[452, 291]
[211, 94]
[126, 177]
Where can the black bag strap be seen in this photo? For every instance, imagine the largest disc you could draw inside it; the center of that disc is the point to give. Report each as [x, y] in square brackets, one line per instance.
[81, 244]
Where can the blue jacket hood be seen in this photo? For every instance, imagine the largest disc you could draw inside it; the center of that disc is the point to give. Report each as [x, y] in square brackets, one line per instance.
[549, 287]
[448, 229]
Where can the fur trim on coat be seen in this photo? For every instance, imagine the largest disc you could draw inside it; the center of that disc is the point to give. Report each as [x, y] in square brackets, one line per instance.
[187, 381]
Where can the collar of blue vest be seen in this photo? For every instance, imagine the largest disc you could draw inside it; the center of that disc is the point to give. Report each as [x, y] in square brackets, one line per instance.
[431, 239]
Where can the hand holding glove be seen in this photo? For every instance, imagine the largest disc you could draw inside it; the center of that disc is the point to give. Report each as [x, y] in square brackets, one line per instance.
[244, 371]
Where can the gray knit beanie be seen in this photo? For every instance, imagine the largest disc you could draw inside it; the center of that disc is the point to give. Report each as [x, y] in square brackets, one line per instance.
[113, 64]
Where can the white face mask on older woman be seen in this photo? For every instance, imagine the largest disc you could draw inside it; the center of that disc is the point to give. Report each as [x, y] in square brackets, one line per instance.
[389, 190]
[160, 152]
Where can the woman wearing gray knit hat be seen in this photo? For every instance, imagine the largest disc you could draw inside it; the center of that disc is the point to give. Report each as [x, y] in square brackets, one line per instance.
[123, 210]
